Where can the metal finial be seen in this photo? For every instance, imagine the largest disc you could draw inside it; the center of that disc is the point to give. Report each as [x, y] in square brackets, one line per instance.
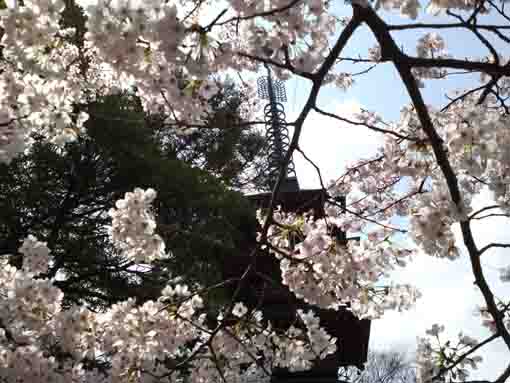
[267, 85]
[277, 133]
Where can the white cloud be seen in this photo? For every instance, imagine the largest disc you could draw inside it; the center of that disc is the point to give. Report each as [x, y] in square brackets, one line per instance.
[449, 294]
[332, 144]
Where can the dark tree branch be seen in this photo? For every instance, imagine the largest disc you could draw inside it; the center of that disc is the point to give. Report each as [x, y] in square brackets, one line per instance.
[504, 376]
[357, 123]
[463, 96]
[466, 354]
[404, 64]
[475, 66]
[270, 12]
[287, 65]
[315, 166]
[493, 245]
[401, 27]
[474, 214]
[318, 78]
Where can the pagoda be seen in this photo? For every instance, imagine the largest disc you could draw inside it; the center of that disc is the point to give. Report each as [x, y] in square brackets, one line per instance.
[264, 287]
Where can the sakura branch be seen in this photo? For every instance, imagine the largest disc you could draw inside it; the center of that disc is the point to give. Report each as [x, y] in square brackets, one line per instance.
[171, 51]
[358, 123]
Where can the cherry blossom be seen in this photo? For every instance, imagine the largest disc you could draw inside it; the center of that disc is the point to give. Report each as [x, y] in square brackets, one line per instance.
[435, 356]
[36, 257]
[239, 310]
[433, 162]
[133, 227]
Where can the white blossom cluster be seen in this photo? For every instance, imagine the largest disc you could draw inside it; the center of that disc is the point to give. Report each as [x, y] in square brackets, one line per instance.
[167, 55]
[322, 343]
[487, 320]
[477, 137]
[431, 224]
[408, 8]
[344, 81]
[27, 304]
[473, 136]
[329, 274]
[36, 256]
[133, 227]
[374, 53]
[432, 46]
[297, 350]
[130, 335]
[170, 57]
[434, 356]
[411, 8]
[39, 83]
[137, 338]
[306, 19]
[12, 141]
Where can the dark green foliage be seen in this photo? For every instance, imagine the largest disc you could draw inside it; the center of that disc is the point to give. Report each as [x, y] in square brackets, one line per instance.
[73, 16]
[233, 152]
[63, 198]
[229, 149]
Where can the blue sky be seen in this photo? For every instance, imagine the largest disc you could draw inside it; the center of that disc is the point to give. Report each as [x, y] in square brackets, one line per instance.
[448, 293]
[449, 296]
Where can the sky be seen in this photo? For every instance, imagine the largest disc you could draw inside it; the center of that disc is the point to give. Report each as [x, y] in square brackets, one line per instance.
[449, 296]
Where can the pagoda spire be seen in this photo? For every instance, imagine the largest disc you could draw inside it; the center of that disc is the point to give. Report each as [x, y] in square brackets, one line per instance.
[277, 134]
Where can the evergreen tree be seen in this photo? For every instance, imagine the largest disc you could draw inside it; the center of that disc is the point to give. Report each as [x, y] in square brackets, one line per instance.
[228, 147]
[63, 198]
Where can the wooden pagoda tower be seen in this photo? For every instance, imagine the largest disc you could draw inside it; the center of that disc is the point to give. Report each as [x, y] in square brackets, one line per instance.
[277, 303]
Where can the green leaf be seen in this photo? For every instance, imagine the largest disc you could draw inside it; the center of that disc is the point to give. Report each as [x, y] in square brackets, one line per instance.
[147, 54]
[204, 40]
[192, 86]
[3, 4]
